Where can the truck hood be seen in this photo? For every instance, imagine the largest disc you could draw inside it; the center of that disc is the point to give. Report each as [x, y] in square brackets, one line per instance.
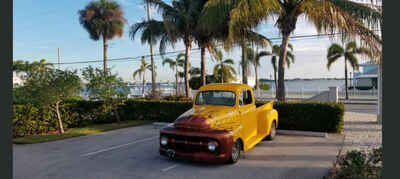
[201, 117]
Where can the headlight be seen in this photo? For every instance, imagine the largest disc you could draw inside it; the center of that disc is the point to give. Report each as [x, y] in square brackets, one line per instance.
[212, 146]
[164, 140]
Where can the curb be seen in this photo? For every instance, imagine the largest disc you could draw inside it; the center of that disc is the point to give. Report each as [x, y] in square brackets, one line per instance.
[161, 124]
[360, 103]
[278, 131]
[302, 133]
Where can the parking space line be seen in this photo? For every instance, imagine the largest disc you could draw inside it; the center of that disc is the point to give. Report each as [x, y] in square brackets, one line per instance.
[169, 168]
[119, 146]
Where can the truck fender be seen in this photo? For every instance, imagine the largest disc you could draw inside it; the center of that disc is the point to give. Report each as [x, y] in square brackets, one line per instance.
[272, 115]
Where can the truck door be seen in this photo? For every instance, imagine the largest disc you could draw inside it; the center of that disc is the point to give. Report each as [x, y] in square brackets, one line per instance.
[247, 115]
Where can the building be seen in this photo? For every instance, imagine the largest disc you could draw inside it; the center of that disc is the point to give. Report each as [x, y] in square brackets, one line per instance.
[17, 80]
[366, 77]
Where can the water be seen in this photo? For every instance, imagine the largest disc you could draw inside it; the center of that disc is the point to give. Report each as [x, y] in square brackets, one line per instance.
[291, 86]
[310, 85]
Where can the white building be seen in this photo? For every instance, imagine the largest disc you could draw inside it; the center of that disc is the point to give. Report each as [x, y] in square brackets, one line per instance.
[17, 80]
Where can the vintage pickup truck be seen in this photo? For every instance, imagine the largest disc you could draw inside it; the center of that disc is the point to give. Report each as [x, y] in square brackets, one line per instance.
[223, 121]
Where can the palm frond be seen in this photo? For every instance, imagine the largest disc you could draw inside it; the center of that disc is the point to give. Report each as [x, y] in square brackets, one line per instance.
[352, 60]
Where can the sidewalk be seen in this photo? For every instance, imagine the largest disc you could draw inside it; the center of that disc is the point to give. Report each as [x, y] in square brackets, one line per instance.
[361, 131]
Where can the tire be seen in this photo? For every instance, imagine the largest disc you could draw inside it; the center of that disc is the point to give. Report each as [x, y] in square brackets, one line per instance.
[272, 133]
[235, 155]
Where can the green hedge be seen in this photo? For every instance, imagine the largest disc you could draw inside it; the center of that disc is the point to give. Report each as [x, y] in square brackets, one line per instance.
[30, 120]
[310, 116]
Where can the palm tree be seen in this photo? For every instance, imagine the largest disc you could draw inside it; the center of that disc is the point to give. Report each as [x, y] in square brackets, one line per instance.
[103, 18]
[335, 51]
[223, 71]
[180, 19]
[351, 19]
[216, 18]
[205, 41]
[141, 72]
[254, 58]
[276, 49]
[173, 64]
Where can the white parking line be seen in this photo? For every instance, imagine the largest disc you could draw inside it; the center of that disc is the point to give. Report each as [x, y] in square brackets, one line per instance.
[169, 168]
[119, 146]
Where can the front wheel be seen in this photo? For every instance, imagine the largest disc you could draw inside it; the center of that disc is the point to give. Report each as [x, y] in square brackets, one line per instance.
[272, 132]
[235, 155]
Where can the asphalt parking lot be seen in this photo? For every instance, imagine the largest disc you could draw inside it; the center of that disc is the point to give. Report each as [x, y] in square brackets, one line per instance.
[133, 153]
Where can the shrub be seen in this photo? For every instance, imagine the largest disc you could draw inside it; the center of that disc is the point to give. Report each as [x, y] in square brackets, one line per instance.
[310, 116]
[166, 111]
[29, 119]
[265, 86]
[358, 164]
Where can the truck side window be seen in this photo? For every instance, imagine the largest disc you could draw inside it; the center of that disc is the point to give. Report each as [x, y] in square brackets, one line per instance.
[245, 98]
[248, 99]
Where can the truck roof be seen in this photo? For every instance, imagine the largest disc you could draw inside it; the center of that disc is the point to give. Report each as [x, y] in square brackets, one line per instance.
[224, 86]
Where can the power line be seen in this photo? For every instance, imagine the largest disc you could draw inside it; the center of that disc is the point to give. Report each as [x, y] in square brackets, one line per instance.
[298, 37]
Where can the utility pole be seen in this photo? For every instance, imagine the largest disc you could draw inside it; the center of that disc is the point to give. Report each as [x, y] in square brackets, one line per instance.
[59, 59]
[153, 72]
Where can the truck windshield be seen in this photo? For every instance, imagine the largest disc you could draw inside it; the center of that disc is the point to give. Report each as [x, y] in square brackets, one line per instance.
[225, 98]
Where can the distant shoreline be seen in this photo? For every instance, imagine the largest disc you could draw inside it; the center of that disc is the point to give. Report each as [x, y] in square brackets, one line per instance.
[304, 79]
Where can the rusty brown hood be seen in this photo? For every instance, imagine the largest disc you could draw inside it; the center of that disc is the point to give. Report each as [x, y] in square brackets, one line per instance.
[200, 117]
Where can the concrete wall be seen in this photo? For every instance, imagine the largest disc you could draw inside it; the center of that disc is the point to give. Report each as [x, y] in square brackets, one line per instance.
[332, 95]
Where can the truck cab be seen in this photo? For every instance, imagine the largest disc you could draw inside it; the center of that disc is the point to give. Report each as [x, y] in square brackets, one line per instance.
[223, 122]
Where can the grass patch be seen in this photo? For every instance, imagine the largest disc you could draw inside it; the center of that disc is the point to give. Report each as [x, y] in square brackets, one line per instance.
[75, 132]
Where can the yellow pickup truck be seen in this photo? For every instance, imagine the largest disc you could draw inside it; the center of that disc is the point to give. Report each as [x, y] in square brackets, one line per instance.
[223, 121]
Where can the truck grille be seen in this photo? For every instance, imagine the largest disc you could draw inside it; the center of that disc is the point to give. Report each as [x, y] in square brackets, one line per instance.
[187, 143]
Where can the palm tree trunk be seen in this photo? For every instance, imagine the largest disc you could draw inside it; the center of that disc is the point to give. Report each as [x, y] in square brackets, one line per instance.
[276, 83]
[60, 126]
[176, 80]
[143, 82]
[256, 71]
[244, 64]
[188, 44]
[153, 72]
[345, 78]
[203, 65]
[280, 94]
[105, 45]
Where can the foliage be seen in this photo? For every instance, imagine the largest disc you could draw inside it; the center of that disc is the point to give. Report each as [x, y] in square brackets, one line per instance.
[74, 132]
[102, 18]
[195, 82]
[223, 70]
[107, 87]
[265, 86]
[28, 68]
[309, 116]
[351, 19]
[335, 51]
[29, 119]
[46, 88]
[358, 164]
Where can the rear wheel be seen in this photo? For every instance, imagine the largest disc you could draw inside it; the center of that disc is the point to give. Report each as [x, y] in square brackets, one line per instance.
[272, 133]
[235, 155]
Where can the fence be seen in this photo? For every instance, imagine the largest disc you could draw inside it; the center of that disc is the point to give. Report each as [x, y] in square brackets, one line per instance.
[291, 94]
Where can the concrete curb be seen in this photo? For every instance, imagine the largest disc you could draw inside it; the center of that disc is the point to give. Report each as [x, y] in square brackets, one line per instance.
[302, 133]
[359, 103]
[279, 131]
[161, 124]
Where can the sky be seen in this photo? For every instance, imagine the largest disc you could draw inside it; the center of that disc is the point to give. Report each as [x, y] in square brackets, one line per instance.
[42, 26]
